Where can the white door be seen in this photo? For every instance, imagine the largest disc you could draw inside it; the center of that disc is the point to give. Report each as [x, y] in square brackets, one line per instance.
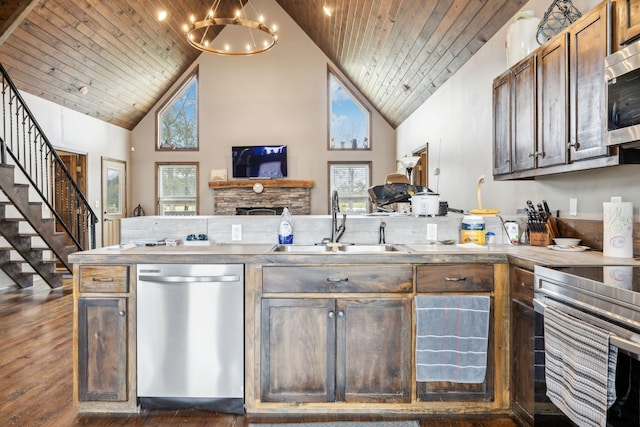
[114, 207]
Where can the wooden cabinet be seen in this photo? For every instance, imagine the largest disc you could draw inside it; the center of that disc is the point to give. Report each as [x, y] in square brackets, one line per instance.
[324, 346]
[514, 118]
[522, 344]
[588, 46]
[460, 279]
[552, 102]
[557, 105]
[502, 124]
[628, 22]
[104, 369]
[102, 349]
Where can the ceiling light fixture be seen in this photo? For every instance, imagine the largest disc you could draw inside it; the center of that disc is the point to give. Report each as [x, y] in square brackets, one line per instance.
[327, 10]
[251, 33]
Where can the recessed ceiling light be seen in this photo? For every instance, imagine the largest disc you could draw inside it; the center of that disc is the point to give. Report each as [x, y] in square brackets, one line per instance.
[162, 15]
[327, 10]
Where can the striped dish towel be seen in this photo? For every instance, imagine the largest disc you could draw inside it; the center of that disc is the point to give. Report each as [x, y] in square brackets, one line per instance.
[580, 368]
[451, 338]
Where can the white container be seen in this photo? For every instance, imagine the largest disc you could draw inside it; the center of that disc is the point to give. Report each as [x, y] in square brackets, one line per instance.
[521, 36]
[425, 204]
[472, 230]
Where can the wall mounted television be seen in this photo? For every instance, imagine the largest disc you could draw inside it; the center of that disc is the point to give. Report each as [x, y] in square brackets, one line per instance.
[259, 161]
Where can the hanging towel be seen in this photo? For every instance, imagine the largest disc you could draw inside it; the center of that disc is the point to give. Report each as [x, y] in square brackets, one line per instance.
[452, 335]
[580, 368]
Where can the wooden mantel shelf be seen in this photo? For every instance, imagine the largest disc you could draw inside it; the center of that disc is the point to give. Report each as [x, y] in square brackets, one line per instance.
[243, 183]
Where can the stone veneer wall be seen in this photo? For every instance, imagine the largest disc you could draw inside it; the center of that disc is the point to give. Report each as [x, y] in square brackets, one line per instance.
[298, 200]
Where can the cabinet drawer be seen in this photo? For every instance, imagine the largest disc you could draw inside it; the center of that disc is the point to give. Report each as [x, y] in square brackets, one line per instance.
[104, 278]
[521, 283]
[339, 279]
[455, 278]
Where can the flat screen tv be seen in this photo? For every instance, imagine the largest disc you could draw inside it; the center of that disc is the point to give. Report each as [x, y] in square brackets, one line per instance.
[259, 161]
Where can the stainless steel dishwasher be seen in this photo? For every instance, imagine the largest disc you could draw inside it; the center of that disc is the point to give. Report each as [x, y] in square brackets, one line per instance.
[190, 336]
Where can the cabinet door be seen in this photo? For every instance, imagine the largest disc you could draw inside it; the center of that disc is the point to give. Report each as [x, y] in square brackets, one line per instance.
[523, 102]
[464, 392]
[522, 344]
[628, 23]
[102, 349]
[298, 350]
[553, 103]
[501, 125]
[374, 350]
[587, 50]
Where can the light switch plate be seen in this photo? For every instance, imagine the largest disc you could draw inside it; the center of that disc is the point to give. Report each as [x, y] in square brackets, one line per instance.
[432, 231]
[236, 232]
[573, 207]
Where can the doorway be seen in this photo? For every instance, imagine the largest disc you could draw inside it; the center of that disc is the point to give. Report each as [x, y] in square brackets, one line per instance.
[76, 164]
[114, 208]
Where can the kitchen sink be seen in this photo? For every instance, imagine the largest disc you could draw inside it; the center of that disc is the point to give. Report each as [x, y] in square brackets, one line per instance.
[338, 248]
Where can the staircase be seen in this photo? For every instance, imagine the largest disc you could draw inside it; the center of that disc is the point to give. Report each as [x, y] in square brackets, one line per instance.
[43, 214]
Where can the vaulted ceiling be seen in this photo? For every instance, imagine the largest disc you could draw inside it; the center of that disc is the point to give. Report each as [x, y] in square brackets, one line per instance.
[396, 52]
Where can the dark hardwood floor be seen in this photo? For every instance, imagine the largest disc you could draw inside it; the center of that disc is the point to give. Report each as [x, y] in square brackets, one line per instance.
[36, 375]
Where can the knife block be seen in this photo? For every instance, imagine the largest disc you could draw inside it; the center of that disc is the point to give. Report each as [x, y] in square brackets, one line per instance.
[537, 238]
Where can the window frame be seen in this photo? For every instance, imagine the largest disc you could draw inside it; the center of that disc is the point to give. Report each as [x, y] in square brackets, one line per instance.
[158, 165]
[193, 75]
[357, 100]
[369, 165]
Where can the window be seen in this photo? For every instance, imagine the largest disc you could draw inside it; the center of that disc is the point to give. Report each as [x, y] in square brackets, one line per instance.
[177, 119]
[352, 180]
[177, 188]
[348, 118]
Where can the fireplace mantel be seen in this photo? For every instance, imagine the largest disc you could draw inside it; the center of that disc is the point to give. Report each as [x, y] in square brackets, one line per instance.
[228, 195]
[244, 183]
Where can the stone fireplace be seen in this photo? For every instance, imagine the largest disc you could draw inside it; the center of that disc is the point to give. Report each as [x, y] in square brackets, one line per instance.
[269, 193]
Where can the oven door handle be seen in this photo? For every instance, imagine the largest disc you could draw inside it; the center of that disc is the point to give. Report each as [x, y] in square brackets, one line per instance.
[632, 345]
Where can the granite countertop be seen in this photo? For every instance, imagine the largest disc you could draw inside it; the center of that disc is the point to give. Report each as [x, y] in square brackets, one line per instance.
[259, 253]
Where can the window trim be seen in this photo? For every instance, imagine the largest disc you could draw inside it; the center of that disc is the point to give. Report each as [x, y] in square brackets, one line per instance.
[183, 84]
[157, 195]
[330, 163]
[357, 99]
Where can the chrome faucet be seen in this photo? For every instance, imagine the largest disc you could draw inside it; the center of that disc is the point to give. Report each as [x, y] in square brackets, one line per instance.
[336, 231]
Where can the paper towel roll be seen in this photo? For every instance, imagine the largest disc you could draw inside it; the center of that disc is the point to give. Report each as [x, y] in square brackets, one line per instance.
[618, 229]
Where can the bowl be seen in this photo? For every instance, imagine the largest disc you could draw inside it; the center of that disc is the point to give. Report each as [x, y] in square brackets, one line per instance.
[566, 241]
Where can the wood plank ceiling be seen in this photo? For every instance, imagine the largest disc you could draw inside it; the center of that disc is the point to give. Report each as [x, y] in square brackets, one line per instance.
[396, 52]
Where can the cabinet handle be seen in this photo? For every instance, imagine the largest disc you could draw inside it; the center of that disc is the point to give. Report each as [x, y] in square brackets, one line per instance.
[331, 314]
[103, 279]
[341, 313]
[121, 313]
[574, 144]
[455, 279]
[336, 280]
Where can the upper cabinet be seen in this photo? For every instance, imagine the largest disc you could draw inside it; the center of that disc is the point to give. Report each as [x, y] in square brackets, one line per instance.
[550, 118]
[628, 22]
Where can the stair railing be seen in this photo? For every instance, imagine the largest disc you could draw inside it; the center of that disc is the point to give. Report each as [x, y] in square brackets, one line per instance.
[22, 138]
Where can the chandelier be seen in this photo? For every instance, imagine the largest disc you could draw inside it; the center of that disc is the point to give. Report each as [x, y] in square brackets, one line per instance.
[245, 34]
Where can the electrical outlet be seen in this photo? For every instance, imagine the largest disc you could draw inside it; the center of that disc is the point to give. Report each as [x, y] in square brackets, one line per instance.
[236, 232]
[573, 207]
[432, 231]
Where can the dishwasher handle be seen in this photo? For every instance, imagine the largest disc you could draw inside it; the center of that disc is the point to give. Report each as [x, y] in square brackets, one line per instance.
[189, 279]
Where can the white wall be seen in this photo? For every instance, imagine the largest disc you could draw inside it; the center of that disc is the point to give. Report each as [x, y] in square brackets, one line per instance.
[76, 132]
[457, 123]
[278, 97]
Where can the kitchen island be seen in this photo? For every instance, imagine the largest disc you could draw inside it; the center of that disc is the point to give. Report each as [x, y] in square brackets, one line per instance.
[324, 332]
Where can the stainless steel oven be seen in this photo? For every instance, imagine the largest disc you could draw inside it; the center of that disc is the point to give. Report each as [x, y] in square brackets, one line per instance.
[622, 77]
[606, 298]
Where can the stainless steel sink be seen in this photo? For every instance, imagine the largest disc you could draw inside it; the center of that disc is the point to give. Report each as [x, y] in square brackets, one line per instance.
[300, 248]
[337, 249]
[368, 248]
